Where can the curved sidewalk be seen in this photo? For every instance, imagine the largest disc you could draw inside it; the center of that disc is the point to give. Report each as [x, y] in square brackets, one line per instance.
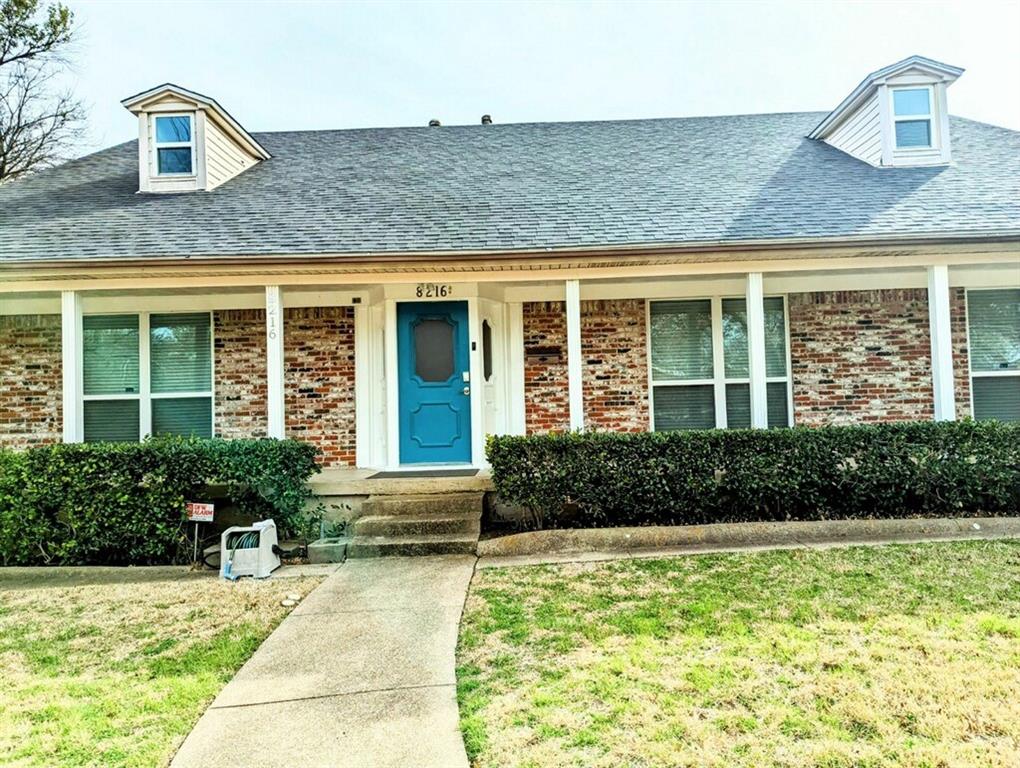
[360, 674]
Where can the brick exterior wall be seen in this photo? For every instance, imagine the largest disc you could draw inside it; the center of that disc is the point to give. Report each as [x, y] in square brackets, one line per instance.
[615, 353]
[961, 354]
[615, 376]
[240, 371]
[30, 381]
[319, 380]
[860, 356]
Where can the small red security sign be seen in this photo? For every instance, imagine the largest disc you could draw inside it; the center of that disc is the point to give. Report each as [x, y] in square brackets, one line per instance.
[199, 512]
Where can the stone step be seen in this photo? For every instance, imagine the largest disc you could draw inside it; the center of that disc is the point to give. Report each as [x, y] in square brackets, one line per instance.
[418, 525]
[405, 546]
[423, 504]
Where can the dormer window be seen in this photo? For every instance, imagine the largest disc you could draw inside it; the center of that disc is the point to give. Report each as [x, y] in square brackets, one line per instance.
[175, 149]
[912, 115]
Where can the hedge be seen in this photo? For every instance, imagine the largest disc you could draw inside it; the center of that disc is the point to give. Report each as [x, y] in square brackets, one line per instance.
[923, 469]
[123, 503]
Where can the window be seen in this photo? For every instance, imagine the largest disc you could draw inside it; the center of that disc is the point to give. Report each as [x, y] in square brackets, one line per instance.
[486, 350]
[174, 147]
[124, 400]
[699, 364]
[912, 117]
[993, 325]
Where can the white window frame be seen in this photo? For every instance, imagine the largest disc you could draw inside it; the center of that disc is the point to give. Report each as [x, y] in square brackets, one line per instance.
[145, 395]
[930, 117]
[971, 373]
[719, 379]
[158, 145]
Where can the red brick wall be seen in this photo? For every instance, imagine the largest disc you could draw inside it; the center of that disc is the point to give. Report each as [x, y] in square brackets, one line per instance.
[860, 356]
[546, 395]
[240, 371]
[961, 355]
[319, 380]
[615, 378]
[30, 380]
[615, 353]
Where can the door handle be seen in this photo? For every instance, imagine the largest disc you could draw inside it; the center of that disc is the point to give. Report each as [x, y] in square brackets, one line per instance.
[467, 390]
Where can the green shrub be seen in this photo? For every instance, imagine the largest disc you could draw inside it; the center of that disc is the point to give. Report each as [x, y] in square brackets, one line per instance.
[923, 469]
[123, 503]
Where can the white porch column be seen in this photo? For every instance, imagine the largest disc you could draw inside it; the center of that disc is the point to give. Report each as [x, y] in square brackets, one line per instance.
[71, 366]
[574, 362]
[941, 343]
[755, 298]
[274, 361]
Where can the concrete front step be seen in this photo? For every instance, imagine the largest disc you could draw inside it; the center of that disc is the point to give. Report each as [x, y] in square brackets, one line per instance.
[383, 546]
[423, 504]
[418, 525]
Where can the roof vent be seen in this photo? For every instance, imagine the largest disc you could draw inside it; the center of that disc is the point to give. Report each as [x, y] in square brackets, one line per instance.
[433, 123]
[486, 119]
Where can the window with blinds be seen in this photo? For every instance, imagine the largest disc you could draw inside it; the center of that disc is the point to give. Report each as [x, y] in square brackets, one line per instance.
[121, 403]
[699, 363]
[993, 323]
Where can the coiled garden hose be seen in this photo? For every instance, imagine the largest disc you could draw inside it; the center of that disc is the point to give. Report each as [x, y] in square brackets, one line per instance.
[246, 540]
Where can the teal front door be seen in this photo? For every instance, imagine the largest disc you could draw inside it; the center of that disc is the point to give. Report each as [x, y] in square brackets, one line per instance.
[434, 387]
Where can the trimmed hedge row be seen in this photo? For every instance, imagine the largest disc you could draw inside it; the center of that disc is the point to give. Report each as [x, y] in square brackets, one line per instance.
[923, 469]
[123, 503]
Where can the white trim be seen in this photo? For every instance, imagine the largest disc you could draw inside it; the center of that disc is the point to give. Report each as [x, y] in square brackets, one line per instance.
[71, 362]
[941, 343]
[144, 380]
[517, 423]
[755, 312]
[718, 380]
[575, 364]
[392, 386]
[475, 383]
[362, 388]
[275, 418]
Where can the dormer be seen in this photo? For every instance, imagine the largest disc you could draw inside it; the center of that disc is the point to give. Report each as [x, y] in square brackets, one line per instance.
[187, 142]
[897, 117]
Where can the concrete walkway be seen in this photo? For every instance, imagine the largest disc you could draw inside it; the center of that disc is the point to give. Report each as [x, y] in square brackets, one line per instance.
[360, 674]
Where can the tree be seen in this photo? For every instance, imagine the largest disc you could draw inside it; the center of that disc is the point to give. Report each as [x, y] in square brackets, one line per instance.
[38, 121]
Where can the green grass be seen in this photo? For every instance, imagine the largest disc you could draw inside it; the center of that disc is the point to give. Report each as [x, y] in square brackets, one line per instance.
[850, 658]
[117, 674]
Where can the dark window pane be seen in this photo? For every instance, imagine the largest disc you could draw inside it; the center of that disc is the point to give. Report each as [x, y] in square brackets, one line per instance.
[681, 339]
[179, 351]
[775, 337]
[778, 404]
[110, 354]
[734, 320]
[113, 421]
[175, 160]
[913, 133]
[684, 407]
[994, 329]
[187, 416]
[738, 406]
[170, 129]
[997, 397]
[433, 350]
[486, 350]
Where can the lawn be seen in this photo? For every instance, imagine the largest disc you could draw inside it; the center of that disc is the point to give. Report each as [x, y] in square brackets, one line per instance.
[116, 674]
[905, 656]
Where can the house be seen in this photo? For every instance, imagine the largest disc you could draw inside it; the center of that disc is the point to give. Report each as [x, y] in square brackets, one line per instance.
[393, 295]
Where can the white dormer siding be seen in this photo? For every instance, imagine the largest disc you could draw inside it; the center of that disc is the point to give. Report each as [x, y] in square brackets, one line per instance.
[201, 145]
[865, 124]
[860, 134]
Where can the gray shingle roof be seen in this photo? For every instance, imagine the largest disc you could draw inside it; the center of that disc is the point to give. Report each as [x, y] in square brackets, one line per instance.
[523, 186]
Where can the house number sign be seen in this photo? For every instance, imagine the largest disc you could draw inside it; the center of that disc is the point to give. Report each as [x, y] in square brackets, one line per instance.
[433, 291]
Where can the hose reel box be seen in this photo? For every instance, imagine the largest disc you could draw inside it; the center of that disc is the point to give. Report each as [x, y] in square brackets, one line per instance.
[249, 551]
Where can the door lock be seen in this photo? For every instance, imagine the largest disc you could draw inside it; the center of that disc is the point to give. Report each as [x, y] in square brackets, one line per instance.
[467, 390]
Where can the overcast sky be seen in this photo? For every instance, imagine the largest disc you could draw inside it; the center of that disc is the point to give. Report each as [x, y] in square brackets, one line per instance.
[307, 65]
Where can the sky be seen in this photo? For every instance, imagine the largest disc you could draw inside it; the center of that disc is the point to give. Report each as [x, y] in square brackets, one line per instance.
[315, 65]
